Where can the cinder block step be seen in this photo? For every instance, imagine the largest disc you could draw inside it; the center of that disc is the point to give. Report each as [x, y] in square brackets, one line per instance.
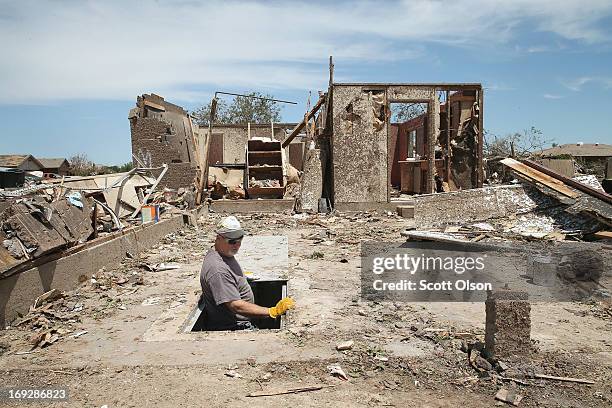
[406, 211]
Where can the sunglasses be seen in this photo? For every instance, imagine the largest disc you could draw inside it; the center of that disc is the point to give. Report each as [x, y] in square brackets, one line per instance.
[233, 241]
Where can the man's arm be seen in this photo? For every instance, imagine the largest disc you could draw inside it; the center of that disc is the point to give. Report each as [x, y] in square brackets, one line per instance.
[248, 309]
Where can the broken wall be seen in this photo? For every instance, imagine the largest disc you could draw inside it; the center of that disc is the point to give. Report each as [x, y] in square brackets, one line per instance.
[359, 144]
[464, 140]
[162, 133]
[235, 138]
[360, 141]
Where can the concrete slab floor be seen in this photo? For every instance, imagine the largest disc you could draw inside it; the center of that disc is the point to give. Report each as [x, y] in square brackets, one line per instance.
[132, 354]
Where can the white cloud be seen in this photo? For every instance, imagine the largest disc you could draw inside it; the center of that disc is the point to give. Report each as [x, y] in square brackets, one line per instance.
[552, 96]
[115, 50]
[577, 84]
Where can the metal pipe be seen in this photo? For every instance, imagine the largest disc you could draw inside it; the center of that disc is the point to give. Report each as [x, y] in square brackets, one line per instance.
[111, 212]
[144, 201]
[254, 97]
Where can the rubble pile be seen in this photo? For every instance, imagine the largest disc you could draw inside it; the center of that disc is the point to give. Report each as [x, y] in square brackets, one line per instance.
[517, 211]
[51, 318]
[55, 214]
[34, 226]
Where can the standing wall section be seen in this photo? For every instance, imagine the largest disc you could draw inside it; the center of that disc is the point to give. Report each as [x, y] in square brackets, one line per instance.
[359, 144]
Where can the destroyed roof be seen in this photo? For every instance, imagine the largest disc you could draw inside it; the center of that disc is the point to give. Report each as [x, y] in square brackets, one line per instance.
[52, 162]
[15, 160]
[579, 150]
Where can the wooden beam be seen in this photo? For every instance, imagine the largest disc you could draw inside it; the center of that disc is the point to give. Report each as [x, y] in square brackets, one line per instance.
[536, 175]
[204, 165]
[154, 105]
[480, 175]
[298, 128]
[603, 235]
[448, 138]
[573, 183]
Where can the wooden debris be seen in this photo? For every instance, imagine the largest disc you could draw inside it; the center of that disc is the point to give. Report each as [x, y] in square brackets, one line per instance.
[288, 391]
[566, 379]
[542, 178]
[479, 237]
[298, 128]
[603, 235]
[49, 296]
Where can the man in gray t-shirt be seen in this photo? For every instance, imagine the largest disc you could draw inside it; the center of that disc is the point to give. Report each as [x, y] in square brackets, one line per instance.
[226, 294]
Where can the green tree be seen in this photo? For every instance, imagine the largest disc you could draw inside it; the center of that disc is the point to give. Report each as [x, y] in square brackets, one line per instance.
[202, 114]
[241, 110]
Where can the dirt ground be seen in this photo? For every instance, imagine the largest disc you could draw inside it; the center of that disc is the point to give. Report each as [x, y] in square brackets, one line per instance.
[404, 354]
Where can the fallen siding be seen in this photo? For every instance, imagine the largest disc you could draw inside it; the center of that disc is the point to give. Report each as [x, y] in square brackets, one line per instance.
[18, 291]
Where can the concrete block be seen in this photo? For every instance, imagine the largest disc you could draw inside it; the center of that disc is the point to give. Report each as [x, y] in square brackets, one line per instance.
[508, 323]
[312, 182]
[405, 211]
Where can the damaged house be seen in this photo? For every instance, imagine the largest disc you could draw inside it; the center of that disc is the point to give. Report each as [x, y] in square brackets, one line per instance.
[164, 133]
[369, 154]
[350, 154]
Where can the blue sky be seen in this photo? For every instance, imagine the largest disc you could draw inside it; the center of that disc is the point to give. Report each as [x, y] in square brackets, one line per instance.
[71, 70]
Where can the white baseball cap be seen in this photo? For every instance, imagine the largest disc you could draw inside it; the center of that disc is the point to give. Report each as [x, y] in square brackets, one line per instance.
[229, 227]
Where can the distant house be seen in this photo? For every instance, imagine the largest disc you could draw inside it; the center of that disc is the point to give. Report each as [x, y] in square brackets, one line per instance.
[59, 166]
[25, 162]
[591, 156]
[579, 150]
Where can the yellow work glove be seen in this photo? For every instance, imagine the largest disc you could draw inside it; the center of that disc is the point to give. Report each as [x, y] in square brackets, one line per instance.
[281, 307]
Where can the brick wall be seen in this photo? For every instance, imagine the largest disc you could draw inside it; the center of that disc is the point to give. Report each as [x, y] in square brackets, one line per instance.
[164, 137]
[179, 175]
[150, 142]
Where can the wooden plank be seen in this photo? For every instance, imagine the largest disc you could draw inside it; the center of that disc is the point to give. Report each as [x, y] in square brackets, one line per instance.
[603, 235]
[296, 155]
[255, 145]
[266, 192]
[540, 177]
[565, 379]
[265, 168]
[301, 125]
[577, 185]
[416, 175]
[154, 105]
